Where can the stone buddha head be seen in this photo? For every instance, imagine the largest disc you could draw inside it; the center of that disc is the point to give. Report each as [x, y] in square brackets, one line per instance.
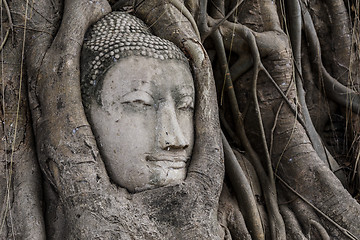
[138, 94]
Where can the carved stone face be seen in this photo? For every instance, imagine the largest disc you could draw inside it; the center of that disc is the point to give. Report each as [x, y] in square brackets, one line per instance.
[144, 127]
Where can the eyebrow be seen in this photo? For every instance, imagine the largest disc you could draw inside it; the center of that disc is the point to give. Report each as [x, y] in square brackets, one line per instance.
[136, 90]
[141, 87]
[185, 89]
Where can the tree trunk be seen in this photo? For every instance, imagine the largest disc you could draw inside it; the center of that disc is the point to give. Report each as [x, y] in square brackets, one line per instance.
[281, 76]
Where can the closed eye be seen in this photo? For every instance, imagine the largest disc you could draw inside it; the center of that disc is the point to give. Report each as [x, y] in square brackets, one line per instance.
[138, 98]
[186, 103]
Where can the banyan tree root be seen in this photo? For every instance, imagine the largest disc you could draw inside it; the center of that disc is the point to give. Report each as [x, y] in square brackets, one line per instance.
[298, 154]
[71, 163]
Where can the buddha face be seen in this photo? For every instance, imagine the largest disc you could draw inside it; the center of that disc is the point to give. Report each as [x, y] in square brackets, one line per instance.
[144, 126]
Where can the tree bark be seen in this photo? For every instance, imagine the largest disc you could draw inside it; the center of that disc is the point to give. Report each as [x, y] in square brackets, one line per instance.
[281, 181]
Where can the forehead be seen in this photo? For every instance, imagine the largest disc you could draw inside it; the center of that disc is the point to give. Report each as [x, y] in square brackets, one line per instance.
[147, 73]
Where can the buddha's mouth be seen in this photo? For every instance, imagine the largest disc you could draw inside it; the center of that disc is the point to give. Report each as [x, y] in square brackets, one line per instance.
[168, 158]
[173, 161]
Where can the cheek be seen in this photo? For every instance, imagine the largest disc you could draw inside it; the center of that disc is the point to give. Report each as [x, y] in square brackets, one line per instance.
[136, 131]
[186, 122]
[123, 132]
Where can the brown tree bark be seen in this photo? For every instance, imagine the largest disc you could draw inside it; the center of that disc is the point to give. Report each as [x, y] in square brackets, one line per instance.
[281, 182]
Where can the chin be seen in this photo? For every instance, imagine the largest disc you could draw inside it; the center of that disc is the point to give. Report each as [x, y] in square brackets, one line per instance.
[163, 178]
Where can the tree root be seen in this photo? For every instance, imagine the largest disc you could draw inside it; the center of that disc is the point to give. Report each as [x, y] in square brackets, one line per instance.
[243, 192]
[187, 14]
[293, 228]
[5, 39]
[234, 138]
[295, 37]
[276, 221]
[340, 33]
[341, 94]
[321, 230]
[242, 65]
[54, 158]
[8, 14]
[210, 31]
[343, 230]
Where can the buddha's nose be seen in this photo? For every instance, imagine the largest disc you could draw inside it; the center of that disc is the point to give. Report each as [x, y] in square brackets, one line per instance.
[170, 134]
